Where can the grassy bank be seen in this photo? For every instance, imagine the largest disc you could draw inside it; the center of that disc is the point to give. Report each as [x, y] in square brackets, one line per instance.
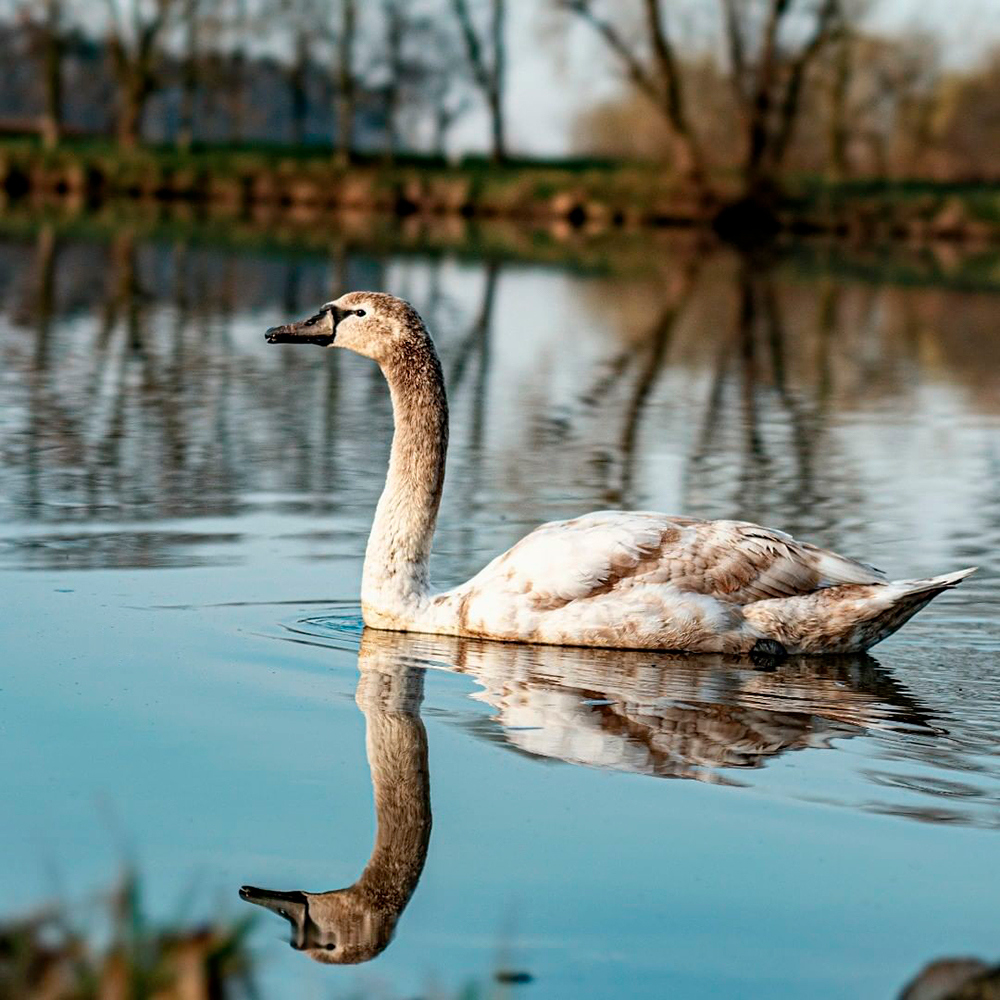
[304, 184]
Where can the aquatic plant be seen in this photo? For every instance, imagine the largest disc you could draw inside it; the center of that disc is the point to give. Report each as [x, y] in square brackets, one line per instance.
[118, 954]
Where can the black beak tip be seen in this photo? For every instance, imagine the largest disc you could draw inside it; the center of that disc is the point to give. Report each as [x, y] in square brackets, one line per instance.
[271, 335]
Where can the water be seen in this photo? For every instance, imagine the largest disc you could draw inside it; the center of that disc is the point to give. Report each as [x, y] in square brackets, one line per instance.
[183, 510]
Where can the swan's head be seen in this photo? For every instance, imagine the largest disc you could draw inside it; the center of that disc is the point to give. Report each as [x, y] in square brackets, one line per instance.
[370, 323]
[337, 928]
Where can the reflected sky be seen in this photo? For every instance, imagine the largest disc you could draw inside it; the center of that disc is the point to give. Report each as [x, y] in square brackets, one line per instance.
[182, 515]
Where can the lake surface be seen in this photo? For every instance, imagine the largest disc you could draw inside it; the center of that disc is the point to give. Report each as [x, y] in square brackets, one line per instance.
[185, 683]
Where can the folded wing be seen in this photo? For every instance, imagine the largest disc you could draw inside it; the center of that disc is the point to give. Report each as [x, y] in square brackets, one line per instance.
[732, 561]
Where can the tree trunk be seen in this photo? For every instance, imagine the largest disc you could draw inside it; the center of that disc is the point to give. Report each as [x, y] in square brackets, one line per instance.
[298, 84]
[133, 105]
[395, 28]
[185, 113]
[497, 130]
[189, 79]
[837, 132]
[237, 97]
[497, 81]
[345, 126]
[54, 47]
[346, 84]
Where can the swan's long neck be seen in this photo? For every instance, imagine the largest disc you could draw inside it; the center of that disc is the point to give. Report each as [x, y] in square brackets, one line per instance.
[396, 579]
[397, 755]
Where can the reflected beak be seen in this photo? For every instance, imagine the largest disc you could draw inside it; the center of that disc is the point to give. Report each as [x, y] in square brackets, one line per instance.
[283, 903]
[293, 906]
[320, 329]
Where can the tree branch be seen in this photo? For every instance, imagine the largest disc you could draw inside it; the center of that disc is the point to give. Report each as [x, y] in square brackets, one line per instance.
[827, 23]
[636, 72]
[473, 47]
[737, 51]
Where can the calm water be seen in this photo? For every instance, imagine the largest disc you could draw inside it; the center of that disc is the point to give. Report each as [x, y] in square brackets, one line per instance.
[183, 511]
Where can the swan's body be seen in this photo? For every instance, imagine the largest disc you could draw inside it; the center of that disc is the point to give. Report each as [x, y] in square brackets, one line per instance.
[621, 579]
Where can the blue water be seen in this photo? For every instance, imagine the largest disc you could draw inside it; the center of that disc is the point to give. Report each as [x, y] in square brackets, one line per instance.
[183, 512]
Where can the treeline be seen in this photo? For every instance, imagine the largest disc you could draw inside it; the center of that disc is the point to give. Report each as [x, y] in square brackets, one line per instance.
[728, 98]
[782, 87]
[370, 76]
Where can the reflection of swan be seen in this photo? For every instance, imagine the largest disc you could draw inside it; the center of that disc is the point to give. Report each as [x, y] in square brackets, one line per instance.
[667, 715]
[355, 924]
[649, 713]
[611, 579]
[954, 979]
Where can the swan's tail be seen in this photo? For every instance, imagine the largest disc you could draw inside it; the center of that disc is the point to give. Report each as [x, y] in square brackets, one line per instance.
[846, 619]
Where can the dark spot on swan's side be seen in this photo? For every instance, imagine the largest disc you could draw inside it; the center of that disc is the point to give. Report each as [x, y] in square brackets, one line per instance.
[767, 654]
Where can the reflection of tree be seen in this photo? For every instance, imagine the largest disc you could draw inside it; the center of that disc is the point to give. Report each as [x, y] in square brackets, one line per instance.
[657, 342]
[137, 390]
[148, 410]
[476, 342]
[355, 924]
[474, 347]
[46, 252]
[636, 370]
[785, 476]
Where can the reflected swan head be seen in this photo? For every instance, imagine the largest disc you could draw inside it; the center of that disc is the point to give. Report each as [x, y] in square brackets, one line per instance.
[336, 928]
[372, 324]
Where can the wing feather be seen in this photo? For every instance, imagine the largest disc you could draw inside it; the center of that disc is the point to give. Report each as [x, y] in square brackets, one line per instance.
[732, 561]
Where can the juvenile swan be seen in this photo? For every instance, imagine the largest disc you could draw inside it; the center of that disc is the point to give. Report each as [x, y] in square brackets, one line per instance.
[620, 579]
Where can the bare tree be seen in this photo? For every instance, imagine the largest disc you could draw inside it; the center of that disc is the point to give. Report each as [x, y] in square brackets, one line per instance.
[487, 59]
[304, 20]
[653, 67]
[768, 70]
[840, 73]
[425, 71]
[448, 100]
[324, 33]
[770, 48]
[135, 34]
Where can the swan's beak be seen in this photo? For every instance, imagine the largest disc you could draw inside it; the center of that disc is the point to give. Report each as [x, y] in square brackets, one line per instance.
[293, 906]
[319, 329]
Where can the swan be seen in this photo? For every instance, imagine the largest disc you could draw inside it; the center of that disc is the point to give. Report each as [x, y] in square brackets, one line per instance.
[613, 579]
[354, 925]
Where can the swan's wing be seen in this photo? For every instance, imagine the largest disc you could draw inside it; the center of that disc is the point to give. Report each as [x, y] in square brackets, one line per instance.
[734, 561]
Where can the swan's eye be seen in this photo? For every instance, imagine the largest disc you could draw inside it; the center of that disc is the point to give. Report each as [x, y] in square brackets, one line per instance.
[359, 312]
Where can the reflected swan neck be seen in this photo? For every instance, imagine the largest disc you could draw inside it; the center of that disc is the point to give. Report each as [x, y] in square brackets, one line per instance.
[397, 757]
[396, 581]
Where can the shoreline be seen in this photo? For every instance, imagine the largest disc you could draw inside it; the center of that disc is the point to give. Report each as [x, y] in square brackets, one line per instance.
[303, 186]
[964, 266]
